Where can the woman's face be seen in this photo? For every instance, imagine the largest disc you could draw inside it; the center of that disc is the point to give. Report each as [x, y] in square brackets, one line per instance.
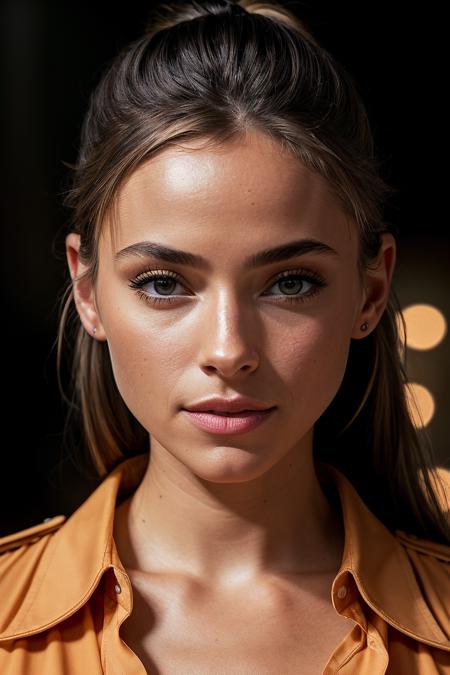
[228, 327]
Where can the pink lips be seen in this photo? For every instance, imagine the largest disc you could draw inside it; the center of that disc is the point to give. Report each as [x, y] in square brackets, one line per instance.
[229, 424]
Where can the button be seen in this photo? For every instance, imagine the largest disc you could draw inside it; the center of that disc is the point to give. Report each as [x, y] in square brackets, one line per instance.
[117, 588]
[342, 592]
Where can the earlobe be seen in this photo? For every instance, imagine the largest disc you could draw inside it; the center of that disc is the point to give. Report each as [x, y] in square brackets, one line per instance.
[378, 278]
[83, 291]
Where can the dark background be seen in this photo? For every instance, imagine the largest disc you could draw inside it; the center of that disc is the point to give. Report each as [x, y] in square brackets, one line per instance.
[52, 56]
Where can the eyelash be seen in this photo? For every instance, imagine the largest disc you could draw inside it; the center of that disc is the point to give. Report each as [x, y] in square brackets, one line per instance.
[154, 275]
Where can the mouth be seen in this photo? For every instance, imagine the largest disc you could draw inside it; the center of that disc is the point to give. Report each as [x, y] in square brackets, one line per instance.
[226, 423]
[241, 413]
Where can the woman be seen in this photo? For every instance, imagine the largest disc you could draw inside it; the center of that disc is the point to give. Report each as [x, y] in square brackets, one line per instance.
[267, 504]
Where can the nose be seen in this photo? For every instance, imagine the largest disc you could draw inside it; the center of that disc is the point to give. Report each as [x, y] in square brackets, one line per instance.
[228, 337]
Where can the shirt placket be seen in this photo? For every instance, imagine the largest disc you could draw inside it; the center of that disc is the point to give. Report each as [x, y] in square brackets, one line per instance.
[117, 657]
[362, 650]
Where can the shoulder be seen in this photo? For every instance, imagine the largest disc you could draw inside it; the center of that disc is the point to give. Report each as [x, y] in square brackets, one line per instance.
[427, 550]
[50, 570]
[22, 557]
[29, 535]
[431, 559]
[430, 562]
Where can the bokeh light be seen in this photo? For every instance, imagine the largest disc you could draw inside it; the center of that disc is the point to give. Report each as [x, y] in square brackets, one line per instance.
[420, 403]
[426, 326]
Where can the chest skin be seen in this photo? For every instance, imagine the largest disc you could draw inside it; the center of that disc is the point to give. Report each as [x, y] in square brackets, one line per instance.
[285, 624]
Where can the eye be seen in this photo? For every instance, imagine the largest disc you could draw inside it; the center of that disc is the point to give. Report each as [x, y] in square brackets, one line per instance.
[163, 282]
[294, 281]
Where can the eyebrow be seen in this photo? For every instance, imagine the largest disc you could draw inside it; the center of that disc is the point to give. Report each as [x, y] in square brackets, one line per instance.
[268, 256]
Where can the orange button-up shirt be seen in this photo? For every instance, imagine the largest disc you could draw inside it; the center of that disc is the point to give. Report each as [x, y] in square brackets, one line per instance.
[64, 592]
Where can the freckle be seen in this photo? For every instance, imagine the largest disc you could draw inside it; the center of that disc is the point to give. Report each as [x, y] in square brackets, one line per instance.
[160, 496]
[143, 521]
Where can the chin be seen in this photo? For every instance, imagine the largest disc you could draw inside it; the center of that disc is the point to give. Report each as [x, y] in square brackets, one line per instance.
[231, 464]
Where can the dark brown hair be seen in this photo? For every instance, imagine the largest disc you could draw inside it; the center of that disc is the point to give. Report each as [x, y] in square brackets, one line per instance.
[215, 70]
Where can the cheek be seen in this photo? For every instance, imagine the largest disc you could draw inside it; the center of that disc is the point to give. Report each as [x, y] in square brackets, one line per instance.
[146, 361]
[312, 365]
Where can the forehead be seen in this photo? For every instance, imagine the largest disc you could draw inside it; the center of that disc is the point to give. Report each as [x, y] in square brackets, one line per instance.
[249, 187]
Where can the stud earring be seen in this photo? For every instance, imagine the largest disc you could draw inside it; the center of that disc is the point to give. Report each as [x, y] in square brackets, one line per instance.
[94, 330]
[364, 326]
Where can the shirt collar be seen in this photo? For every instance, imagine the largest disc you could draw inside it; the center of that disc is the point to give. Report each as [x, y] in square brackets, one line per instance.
[79, 552]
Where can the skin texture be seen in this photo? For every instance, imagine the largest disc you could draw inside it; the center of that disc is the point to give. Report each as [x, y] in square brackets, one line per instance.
[233, 512]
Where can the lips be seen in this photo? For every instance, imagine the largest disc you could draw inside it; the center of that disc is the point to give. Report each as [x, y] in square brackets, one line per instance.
[214, 410]
[225, 422]
[217, 405]
[240, 413]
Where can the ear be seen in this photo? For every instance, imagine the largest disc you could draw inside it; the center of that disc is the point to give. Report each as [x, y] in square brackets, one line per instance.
[83, 291]
[377, 283]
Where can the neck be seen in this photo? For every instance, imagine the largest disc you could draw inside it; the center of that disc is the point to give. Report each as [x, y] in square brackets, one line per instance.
[278, 523]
